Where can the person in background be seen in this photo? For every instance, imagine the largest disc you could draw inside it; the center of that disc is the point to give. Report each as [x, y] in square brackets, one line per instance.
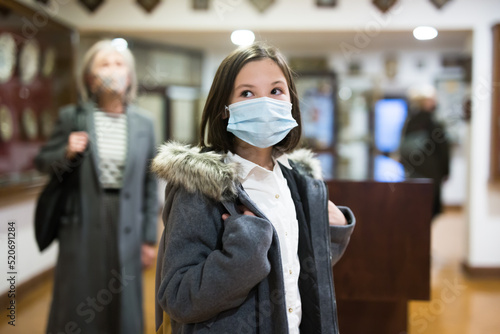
[424, 149]
[250, 236]
[98, 284]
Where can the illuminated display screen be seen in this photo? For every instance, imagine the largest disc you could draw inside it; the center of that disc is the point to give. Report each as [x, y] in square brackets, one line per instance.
[390, 117]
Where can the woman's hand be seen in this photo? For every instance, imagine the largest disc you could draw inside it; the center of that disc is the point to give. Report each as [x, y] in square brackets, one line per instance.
[242, 209]
[148, 254]
[335, 216]
[77, 143]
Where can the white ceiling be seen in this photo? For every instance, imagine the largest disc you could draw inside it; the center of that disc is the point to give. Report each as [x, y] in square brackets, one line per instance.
[309, 42]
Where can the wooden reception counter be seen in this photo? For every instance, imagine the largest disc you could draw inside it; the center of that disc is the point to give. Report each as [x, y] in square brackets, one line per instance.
[387, 262]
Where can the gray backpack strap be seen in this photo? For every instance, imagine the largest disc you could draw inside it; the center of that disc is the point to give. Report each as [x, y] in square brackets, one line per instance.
[231, 207]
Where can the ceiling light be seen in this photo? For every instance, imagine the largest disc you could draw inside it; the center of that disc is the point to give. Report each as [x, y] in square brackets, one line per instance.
[345, 93]
[424, 33]
[242, 37]
[120, 44]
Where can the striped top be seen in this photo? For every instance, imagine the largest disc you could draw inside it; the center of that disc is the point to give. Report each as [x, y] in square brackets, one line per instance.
[111, 135]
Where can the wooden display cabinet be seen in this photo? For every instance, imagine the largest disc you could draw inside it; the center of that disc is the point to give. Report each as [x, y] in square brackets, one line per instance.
[36, 79]
[387, 262]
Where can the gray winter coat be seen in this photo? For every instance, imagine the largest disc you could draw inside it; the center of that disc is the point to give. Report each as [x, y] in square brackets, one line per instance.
[216, 276]
[82, 277]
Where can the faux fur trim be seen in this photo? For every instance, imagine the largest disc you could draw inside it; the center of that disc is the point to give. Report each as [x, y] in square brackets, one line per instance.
[304, 159]
[207, 173]
[196, 171]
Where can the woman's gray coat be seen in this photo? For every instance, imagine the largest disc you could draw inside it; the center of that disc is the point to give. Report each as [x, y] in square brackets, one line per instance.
[216, 276]
[83, 285]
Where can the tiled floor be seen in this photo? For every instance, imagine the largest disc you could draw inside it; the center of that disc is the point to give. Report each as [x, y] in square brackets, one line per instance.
[458, 305]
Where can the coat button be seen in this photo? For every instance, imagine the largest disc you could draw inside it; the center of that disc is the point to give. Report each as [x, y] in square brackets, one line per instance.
[127, 230]
[127, 195]
[290, 310]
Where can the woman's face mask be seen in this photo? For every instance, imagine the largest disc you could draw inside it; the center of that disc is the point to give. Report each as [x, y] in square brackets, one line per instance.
[112, 82]
[261, 122]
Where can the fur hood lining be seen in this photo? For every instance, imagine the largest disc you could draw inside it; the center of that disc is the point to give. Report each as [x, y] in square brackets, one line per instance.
[207, 172]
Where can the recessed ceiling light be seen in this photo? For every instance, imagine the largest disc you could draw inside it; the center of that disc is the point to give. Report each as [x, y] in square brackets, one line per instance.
[424, 33]
[242, 37]
[120, 44]
[345, 93]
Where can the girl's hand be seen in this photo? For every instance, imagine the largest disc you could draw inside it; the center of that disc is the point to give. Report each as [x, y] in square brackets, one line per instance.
[242, 209]
[335, 216]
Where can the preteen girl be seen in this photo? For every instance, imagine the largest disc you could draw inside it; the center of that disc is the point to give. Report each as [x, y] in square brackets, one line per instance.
[250, 236]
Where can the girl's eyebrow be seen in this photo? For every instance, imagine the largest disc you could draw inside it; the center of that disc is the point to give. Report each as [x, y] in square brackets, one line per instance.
[252, 86]
[244, 85]
[278, 81]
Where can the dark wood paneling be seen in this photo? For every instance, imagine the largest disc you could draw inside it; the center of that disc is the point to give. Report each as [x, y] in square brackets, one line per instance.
[387, 262]
[372, 317]
[495, 114]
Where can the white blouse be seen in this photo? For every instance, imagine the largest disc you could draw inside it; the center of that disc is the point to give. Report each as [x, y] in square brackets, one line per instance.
[270, 192]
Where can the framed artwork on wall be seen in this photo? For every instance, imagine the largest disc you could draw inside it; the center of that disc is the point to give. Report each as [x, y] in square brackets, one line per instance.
[317, 96]
[317, 105]
[326, 3]
[155, 101]
[200, 4]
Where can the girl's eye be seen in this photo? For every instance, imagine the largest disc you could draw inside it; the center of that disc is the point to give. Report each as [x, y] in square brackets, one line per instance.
[276, 91]
[246, 93]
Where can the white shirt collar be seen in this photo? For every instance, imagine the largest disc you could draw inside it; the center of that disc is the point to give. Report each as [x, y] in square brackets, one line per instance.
[246, 166]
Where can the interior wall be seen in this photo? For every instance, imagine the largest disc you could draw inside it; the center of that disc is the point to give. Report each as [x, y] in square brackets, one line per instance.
[28, 259]
[484, 228]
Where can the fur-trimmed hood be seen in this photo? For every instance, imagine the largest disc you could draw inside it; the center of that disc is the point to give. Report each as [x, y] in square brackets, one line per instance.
[206, 172]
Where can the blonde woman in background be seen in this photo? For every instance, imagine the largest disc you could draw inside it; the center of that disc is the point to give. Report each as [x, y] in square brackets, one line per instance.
[106, 236]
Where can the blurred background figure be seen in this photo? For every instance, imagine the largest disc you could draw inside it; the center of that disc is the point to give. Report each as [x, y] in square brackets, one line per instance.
[98, 285]
[425, 150]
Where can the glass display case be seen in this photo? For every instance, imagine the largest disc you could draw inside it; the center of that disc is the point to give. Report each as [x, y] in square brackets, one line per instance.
[36, 79]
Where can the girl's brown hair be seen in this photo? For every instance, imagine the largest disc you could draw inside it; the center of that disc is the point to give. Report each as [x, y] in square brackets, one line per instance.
[214, 125]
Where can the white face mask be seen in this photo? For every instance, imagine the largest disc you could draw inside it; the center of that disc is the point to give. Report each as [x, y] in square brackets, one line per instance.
[261, 122]
[115, 82]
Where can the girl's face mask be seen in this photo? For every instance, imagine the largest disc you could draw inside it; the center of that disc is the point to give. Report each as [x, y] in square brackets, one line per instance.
[262, 122]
